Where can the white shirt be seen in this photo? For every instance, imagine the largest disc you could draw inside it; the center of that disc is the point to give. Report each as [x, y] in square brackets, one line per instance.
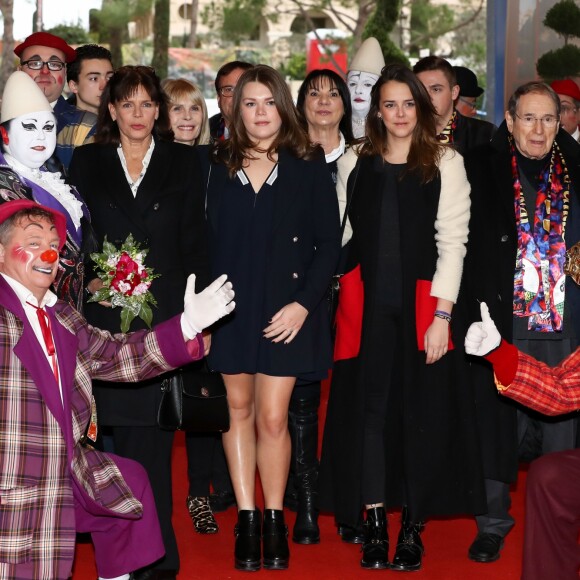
[25, 295]
[134, 185]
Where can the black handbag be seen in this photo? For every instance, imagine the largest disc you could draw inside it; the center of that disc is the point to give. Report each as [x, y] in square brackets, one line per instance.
[198, 403]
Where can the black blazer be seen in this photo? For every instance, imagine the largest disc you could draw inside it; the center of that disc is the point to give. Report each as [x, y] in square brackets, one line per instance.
[470, 133]
[167, 218]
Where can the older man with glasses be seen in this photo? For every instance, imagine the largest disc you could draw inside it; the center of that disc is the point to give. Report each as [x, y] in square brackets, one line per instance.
[525, 218]
[43, 57]
[225, 83]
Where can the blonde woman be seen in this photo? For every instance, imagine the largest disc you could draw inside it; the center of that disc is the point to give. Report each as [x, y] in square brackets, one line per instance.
[187, 112]
[206, 462]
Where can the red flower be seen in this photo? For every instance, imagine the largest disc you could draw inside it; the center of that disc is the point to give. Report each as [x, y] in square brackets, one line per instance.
[126, 265]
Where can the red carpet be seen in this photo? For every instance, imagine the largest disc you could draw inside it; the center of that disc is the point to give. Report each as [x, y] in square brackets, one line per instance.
[211, 557]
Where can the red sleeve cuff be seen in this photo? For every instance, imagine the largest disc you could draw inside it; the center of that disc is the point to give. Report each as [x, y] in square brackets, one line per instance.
[505, 362]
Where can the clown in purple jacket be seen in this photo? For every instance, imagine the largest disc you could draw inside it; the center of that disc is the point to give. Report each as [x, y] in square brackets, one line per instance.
[51, 484]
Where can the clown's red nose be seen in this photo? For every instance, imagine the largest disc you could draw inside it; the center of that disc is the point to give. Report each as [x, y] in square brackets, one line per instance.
[49, 256]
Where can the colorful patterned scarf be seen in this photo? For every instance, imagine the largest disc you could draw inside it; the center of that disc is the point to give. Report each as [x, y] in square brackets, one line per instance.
[539, 279]
[446, 136]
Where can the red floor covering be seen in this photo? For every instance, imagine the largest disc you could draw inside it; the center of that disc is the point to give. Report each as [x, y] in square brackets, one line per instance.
[211, 557]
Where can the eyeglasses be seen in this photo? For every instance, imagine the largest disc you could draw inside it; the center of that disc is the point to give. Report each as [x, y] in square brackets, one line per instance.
[52, 65]
[468, 103]
[548, 121]
[567, 110]
[226, 91]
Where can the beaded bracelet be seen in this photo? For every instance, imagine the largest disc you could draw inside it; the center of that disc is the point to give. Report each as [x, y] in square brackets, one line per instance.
[443, 315]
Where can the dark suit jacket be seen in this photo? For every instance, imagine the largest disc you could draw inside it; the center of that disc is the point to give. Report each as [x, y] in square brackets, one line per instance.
[470, 133]
[167, 218]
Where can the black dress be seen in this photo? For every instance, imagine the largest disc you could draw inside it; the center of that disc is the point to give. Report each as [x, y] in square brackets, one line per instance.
[278, 247]
[241, 250]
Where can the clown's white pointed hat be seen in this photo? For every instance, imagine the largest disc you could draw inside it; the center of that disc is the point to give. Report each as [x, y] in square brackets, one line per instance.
[22, 96]
[369, 57]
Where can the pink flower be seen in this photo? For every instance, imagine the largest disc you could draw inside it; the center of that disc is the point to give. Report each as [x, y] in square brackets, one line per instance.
[140, 289]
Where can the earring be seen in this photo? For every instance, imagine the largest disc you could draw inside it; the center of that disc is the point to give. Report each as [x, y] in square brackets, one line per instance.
[4, 135]
[379, 116]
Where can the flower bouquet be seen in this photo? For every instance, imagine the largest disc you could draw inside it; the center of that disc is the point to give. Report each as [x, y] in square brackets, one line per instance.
[126, 281]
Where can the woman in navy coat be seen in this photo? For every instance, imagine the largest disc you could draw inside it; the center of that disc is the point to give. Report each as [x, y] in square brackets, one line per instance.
[274, 229]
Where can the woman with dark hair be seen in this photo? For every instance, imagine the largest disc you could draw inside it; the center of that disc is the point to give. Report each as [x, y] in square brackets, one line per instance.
[324, 102]
[136, 180]
[271, 198]
[325, 105]
[409, 211]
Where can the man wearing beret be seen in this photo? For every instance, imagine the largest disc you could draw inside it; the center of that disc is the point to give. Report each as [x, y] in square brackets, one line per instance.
[569, 95]
[52, 485]
[44, 57]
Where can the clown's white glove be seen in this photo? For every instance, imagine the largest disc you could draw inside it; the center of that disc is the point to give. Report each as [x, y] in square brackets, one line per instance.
[482, 337]
[203, 309]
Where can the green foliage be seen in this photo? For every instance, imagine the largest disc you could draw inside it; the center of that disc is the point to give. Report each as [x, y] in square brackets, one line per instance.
[71, 33]
[560, 63]
[111, 23]
[428, 22]
[295, 68]
[380, 24]
[236, 20]
[564, 18]
[470, 43]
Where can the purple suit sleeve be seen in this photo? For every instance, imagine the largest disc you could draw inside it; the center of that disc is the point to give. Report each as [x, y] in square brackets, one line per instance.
[176, 351]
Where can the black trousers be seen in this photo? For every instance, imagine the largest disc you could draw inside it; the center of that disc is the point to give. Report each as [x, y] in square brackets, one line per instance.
[151, 447]
[206, 464]
[379, 375]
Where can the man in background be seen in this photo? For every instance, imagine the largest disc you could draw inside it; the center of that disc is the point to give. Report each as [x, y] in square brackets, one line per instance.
[462, 132]
[225, 83]
[569, 95]
[44, 58]
[469, 91]
[88, 75]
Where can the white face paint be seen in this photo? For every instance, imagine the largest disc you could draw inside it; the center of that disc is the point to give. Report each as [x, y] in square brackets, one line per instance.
[360, 85]
[32, 138]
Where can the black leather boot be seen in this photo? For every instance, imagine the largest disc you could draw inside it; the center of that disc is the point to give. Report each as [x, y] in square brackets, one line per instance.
[275, 535]
[409, 551]
[303, 414]
[375, 547]
[248, 532]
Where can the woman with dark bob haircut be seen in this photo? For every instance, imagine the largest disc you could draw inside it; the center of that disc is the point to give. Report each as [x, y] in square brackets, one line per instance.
[136, 180]
[396, 387]
[325, 107]
[271, 199]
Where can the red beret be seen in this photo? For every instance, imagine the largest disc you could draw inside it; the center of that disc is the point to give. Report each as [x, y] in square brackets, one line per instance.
[50, 40]
[567, 87]
[9, 208]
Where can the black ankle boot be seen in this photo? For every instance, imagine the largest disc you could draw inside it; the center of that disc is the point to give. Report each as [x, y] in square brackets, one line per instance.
[275, 536]
[375, 547]
[409, 551]
[303, 423]
[248, 532]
